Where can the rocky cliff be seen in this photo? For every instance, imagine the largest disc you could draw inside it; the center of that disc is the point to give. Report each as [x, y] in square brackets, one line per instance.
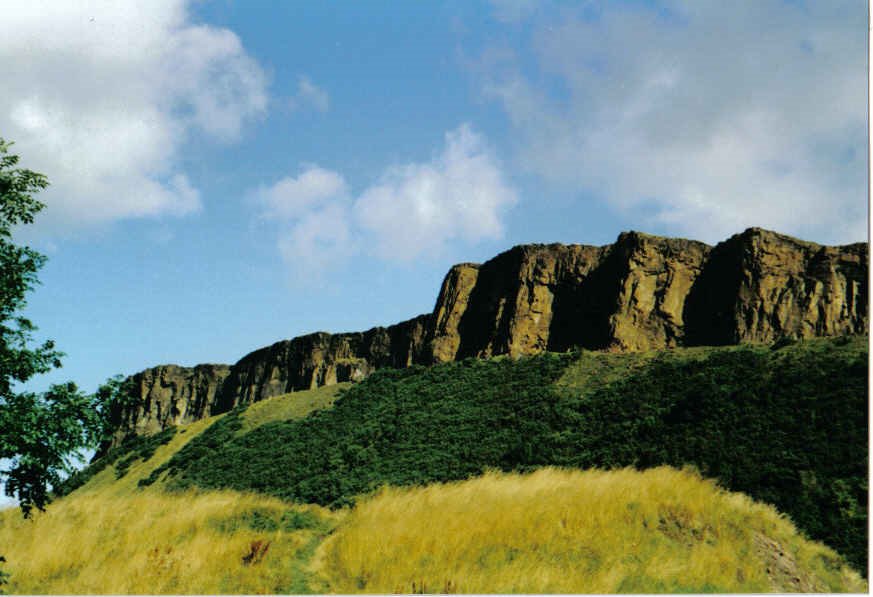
[168, 395]
[758, 286]
[321, 359]
[642, 292]
[629, 296]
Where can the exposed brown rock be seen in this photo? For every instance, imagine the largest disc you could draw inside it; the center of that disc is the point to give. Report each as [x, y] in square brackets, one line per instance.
[642, 292]
[521, 298]
[759, 285]
[450, 306]
[169, 395]
[321, 359]
[656, 275]
[628, 296]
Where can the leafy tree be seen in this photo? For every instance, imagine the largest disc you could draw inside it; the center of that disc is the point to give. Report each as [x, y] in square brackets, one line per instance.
[111, 400]
[39, 433]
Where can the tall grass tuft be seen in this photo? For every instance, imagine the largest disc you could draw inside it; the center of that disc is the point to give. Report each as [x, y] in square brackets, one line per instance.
[148, 542]
[561, 531]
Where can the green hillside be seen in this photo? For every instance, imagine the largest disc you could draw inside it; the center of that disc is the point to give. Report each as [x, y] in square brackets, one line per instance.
[786, 425]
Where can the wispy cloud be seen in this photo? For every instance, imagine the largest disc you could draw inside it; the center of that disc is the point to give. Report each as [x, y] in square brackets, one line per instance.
[101, 96]
[311, 212]
[715, 116]
[513, 11]
[292, 197]
[309, 95]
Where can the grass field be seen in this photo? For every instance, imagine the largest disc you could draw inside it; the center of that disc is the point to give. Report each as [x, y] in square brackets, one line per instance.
[661, 530]
[149, 542]
[558, 531]
[191, 510]
[786, 425]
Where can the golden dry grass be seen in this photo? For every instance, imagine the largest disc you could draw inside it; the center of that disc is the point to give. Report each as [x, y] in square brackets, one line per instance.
[151, 542]
[557, 531]
[552, 531]
[294, 405]
[106, 483]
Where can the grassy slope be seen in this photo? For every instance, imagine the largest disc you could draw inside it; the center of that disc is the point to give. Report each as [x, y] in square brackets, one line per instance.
[152, 542]
[112, 535]
[732, 411]
[131, 464]
[294, 405]
[558, 531]
[786, 426]
[661, 530]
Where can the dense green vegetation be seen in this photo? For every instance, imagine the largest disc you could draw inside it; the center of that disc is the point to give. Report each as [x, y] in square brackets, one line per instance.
[401, 426]
[787, 425]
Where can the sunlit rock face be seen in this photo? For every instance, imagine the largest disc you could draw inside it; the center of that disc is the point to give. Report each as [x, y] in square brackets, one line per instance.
[168, 395]
[321, 359]
[759, 285]
[642, 292]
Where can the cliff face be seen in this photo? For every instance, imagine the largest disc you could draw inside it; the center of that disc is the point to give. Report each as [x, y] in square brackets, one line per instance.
[642, 292]
[759, 285]
[627, 296]
[169, 395]
[321, 359]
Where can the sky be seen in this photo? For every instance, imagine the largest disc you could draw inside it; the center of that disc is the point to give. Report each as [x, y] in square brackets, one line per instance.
[228, 174]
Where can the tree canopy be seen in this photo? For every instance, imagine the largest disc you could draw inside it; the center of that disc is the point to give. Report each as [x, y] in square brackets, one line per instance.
[40, 433]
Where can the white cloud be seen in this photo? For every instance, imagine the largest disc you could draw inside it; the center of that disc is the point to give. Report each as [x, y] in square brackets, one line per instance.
[414, 209]
[295, 197]
[310, 95]
[318, 240]
[312, 213]
[720, 115]
[101, 96]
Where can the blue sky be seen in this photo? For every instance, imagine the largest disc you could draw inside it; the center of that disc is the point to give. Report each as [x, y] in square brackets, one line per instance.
[229, 174]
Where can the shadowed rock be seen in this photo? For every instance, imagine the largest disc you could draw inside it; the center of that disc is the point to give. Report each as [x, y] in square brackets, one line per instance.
[642, 292]
[168, 395]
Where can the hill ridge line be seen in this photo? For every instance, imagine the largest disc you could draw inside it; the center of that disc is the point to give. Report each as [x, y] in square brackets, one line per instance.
[641, 292]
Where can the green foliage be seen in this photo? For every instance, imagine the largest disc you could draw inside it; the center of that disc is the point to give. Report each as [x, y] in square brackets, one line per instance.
[42, 434]
[4, 577]
[18, 268]
[401, 427]
[112, 398]
[269, 521]
[294, 520]
[220, 432]
[36, 432]
[786, 426]
[132, 449]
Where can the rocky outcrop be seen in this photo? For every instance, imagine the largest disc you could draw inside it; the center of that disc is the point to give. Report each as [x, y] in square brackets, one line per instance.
[444, 337]
[627, 296]
[321, 359]
[759, 285]
[649, 292]
[168, 395]
[642, 292]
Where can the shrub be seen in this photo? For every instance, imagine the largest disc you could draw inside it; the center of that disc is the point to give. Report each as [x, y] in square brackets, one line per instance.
[788, 427]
